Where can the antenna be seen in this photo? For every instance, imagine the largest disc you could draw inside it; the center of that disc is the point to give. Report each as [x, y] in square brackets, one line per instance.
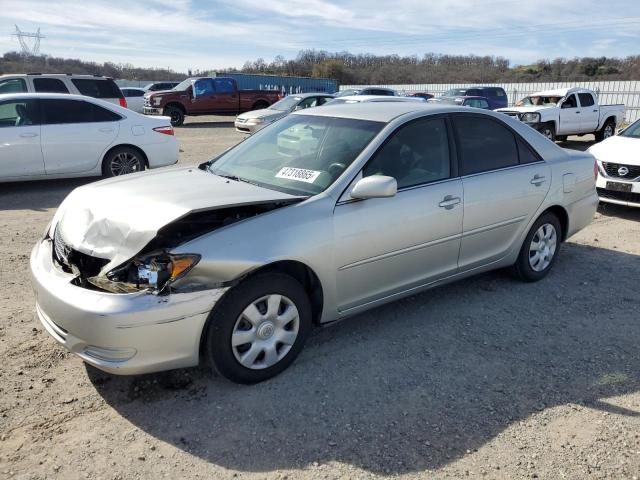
[35, 50]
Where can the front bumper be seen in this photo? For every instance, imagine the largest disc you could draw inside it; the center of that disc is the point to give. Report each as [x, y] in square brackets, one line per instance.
[629, 199]
[152, 111]
[119, 333]
[249, 128]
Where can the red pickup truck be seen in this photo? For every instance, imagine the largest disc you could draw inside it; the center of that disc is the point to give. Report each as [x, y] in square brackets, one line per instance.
[206, 96]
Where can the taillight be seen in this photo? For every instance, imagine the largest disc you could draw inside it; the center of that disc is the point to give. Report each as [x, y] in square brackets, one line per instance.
[123, 102]
[166, 130]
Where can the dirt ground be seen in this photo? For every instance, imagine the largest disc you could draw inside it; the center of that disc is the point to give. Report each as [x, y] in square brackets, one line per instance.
[487, 378]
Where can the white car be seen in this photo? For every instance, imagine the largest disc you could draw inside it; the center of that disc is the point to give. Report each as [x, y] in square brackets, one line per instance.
[134, 97]
[619, 167]
[58, 135]
[372, 98]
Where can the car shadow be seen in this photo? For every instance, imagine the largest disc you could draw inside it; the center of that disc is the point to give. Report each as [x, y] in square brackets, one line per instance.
[619, 211]
[578, 143]
[207, 125]
[39, 195]
[415, 384]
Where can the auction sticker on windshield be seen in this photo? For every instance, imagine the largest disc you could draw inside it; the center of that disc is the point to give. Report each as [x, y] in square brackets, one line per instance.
[300, 174]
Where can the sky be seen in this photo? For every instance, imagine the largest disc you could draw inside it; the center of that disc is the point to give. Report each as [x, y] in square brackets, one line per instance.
[212, 35]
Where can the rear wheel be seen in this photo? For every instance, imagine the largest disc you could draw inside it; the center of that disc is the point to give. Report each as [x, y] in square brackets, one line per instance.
[549, 131]
[121, 161]
[259, 328]
[607, 130]
[540, 249]
[176, 114]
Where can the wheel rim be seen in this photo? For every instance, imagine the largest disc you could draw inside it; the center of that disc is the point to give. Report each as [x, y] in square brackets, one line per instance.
[543, 247]
[608, 131]
[175, 116]
[265, 331]
[125, 162]
[547, 133]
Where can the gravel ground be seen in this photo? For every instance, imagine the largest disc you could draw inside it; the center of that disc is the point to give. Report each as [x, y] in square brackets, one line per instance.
[488, 377]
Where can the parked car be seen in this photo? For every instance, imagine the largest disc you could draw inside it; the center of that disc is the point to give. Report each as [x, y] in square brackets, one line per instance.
[60, 135]
[496, 96]
[251, 122]
[158, 86]
[475, 102]
[568, 111]
[206, 96]
[94, 86]
[135, 98]
[378, 91]
[619, 167]
[142, 274]
[372, 98]
[424, 95]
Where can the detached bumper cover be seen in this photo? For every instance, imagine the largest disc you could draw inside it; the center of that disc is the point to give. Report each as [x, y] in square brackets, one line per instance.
[119, 333]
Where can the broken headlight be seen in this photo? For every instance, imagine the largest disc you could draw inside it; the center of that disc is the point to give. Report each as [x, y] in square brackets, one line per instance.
[530, 117]
[154, 271]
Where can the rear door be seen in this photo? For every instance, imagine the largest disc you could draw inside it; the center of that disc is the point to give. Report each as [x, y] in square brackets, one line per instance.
[589, 114]
[385, 246]
[504, 183]
[226, 95]
[20, 153]
[75, 135]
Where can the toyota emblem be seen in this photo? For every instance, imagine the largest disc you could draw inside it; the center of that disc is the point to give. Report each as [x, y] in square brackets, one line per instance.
[622, 171]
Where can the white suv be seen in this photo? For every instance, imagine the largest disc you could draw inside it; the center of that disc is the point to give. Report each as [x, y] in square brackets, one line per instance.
[94, 86]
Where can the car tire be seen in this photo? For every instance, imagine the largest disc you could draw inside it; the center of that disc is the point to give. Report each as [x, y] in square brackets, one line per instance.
[549, 131]
[175, 114]
[561, 138]
[272, 312]
[122, 161]
[607, 130]
[540, 249]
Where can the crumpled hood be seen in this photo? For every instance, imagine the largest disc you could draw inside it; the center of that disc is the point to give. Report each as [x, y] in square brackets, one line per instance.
[625, 150]
[115, 218]
[266, 113]
[527, 109]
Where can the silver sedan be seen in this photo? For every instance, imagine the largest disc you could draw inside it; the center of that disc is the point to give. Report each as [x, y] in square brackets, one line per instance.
[238, 259]
[251, 122]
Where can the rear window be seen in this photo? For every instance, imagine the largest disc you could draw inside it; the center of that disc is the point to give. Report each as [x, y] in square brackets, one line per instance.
[50, 85]
[97, 88]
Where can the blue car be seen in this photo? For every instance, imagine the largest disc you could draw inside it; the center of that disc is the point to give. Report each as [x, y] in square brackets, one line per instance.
[496, 96]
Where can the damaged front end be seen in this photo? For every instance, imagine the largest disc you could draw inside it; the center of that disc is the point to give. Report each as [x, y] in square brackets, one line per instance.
[154, 268]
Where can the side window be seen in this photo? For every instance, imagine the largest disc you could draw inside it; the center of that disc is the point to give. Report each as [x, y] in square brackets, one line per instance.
[485, 144]
[308, 102]
[56, 112]
[13, 85]
[322, 101]
[17, 113]
[50, 85]
[586, 99]
[417, 153]
[224, 85]
[101, 114]
[477, 103]
[129, 92]
[570, 102]
[473, 92]
[526, 153]
[97, 88]
[203, 87]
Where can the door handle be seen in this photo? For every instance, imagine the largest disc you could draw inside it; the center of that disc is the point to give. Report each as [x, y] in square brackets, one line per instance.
[538, 180]
[28, 135]
[595, 111]
[106, 130]
[577, 112]
[449, 202]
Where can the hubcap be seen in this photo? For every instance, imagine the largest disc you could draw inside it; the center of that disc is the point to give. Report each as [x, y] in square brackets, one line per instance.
[548, 134]
[265, 331]
[608, 131]
[543, 247]
[123, 163]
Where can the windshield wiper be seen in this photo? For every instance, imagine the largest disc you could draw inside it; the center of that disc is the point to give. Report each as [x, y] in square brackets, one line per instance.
[235, 178]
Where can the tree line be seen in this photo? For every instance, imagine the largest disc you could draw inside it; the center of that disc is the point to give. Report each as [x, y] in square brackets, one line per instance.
[348, 68]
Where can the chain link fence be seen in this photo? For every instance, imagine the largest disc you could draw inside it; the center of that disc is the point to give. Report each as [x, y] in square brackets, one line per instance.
[625, 92]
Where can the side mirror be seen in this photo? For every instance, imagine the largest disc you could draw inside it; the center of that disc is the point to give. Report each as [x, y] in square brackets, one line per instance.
[375, 186]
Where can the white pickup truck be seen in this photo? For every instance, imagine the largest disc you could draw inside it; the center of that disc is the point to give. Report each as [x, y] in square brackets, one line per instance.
[567, 111]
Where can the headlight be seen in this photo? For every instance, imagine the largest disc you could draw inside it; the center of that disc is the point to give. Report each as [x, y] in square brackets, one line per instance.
[531, 117]
[154, 271]
[256, 121]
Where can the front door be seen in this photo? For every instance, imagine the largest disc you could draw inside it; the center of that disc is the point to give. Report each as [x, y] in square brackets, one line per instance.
[589, 113]
[20, 153]
[391, 245]
[504, 183]
[569, 116]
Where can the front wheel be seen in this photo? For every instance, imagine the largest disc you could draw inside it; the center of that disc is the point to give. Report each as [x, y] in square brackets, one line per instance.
[540, 249]
[175, 114]
[121, 161]
[259, 328]
[549, 131]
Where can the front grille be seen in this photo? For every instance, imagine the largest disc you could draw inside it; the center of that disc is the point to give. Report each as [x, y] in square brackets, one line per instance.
[74, 261]
[241, 120]
[620, 196]
[613, 170]
[60, 248]
[147, 102]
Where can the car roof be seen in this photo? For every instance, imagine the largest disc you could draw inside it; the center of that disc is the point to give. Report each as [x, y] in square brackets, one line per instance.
[64, 75]
[310, 94]
[378, 111]
[560, 92]
[376, 98]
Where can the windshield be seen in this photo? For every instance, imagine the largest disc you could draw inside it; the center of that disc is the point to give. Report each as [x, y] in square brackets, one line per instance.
[299, 155]
[632, 130]
[183, 85]
[347, 92]
[538, 100]
[455, 92]
[286, 104]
